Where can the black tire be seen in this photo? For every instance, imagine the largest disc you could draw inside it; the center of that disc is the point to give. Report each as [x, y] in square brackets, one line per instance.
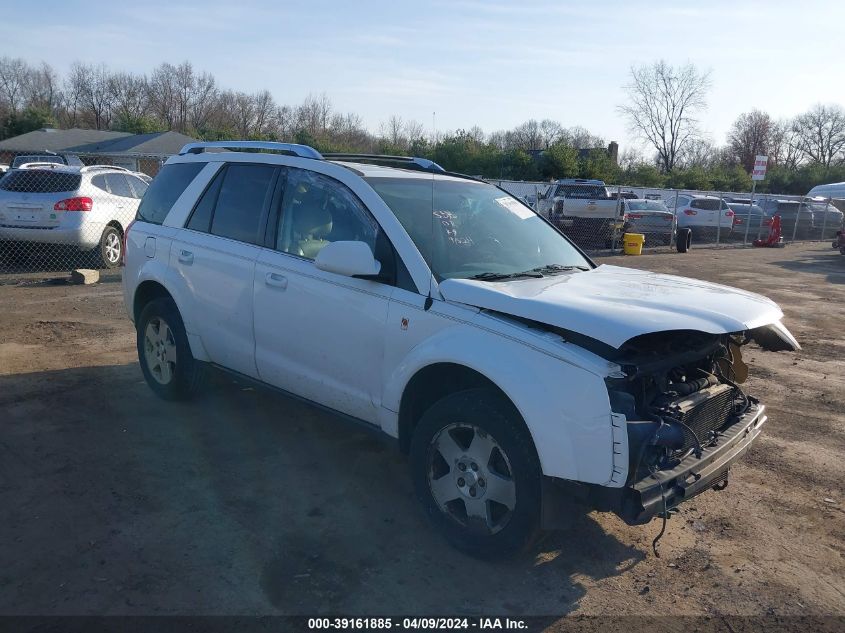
[512, 463]
[181, 379]
[110, 250]
[683, 241]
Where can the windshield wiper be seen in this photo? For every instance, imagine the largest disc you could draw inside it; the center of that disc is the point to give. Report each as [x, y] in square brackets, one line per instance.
[489, 276]
[556, 268]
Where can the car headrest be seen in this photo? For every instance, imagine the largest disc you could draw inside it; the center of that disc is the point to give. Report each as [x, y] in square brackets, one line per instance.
[312, 221]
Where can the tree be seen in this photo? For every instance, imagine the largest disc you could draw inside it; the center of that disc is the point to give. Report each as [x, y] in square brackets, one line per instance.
[663, 102]
[14, 76]
[821, 134]
[784, 150]
[750, 135]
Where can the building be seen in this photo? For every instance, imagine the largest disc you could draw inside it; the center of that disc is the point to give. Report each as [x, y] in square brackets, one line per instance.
[137, 152]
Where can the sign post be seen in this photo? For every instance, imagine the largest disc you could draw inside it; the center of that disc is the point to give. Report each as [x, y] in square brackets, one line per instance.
[758, 173]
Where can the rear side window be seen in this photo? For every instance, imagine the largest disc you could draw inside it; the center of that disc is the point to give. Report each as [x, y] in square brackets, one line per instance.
[165, 189]
[100, 182]
[240, 204]
[200, 219]
[138, 185]
[118, 185]
[707, 204]
[40, 181]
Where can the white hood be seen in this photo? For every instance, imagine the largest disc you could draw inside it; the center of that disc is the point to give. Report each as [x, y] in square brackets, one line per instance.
[613, 304]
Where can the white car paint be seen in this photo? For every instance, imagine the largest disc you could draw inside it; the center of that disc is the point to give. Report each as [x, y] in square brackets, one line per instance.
[613, 304]
[353, 345]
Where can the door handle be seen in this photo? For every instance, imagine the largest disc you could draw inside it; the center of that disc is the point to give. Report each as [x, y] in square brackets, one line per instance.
[276, 280]
[186, 257]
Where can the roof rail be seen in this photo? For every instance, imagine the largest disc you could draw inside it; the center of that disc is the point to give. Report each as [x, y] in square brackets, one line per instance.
[88, 168]
[406, 162]
[293, 149]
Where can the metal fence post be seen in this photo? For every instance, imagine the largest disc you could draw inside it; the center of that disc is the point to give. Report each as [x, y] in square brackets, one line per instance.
[797, 220]
[536, 199]
[748, 219]
[616, 218]
[824, 223]
[673, 240]
[763, 206]
[719, 221]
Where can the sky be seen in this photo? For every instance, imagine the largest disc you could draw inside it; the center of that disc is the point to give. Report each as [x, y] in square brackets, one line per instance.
[472, 62]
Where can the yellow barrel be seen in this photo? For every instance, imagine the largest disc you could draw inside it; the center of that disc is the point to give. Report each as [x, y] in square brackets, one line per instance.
[633, 243]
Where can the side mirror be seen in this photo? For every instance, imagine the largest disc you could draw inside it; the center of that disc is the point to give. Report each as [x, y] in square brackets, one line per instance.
[351, 259]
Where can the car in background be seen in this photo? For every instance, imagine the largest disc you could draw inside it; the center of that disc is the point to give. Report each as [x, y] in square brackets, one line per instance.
[3, 169]
[57, 159]
[651, 218]
[626, 195]
[749, 219]
[796, 217]
[86, 208]
[707, 217]
[827, 219]
[139, 174]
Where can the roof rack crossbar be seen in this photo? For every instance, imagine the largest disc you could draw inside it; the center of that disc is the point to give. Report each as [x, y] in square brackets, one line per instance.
[293, 149]
[410, 162]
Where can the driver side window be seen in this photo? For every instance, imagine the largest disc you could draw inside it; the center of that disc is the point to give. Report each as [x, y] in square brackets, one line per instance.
[318, 210]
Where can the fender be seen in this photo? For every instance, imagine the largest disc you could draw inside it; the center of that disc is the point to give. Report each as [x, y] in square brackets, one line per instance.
[160, 272]
[566, 408]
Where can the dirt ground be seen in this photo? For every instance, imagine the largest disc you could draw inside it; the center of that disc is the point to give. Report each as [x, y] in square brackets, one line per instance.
[114, 502]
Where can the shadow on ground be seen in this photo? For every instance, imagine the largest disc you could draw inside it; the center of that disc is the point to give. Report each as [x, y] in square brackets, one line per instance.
[242, 502]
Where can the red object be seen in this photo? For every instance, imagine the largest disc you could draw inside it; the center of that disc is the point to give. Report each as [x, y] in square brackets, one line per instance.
[74, 204]
[690, 212]
[774, 235]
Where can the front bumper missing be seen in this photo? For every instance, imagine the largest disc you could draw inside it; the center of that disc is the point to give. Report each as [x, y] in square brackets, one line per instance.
[644, 499]
[640, 501]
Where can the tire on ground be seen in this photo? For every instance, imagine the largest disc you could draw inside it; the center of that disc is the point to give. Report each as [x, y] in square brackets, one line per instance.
[490, 411]
[683, 241]
[187, 374]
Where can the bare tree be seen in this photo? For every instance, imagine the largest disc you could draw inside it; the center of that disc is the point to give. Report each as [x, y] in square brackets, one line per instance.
[697, 152]
[42, 87]
[784, 149]
[162, 92]
[821, 134]
[393, 131]
[581, 138]
[265, 107]
[551, 132]
[129, 96]
[14, 76]
[202, 102]
[527, 137]
[91, 85]
[663, 102]
[750, 135]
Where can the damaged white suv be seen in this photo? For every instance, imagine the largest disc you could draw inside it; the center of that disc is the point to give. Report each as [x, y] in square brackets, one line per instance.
[442, 311]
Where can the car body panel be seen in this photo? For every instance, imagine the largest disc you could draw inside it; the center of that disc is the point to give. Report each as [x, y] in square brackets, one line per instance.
[613, 304]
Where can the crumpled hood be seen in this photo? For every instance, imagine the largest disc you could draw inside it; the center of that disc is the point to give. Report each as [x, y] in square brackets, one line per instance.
[614, 304]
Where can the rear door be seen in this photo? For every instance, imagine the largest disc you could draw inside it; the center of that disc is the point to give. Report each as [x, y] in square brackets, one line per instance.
[215, 254]
[124, 204]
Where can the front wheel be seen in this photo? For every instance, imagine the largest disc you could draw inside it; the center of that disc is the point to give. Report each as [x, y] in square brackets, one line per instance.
[164, 353]
[476, 473]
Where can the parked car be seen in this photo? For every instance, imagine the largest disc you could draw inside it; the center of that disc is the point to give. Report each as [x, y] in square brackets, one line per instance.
[827, 219]
[58, 159]
[3, 169]
[651, 218]
[87, 208]
[584, 210]
[797, 221]
[705, 216]
[750, 220]
[440, 310]
[628, 195]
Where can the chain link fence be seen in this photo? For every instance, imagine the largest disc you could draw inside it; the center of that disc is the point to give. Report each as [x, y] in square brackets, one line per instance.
[61, 212]
[711, 218]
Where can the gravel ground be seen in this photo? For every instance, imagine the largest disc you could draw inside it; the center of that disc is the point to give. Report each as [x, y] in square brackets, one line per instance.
[248, 503]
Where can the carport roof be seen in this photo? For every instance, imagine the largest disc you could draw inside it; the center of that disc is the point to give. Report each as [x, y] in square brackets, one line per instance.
[101, 142]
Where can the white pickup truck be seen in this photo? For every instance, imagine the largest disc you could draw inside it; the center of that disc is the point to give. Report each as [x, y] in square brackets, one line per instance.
[583, 209]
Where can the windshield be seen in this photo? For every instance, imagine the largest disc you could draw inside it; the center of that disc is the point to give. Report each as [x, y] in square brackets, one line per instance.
[470, 229]
[647, 205]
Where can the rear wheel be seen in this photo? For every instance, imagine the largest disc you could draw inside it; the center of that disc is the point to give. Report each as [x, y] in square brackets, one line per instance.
[111, 247]
[476, 473]
[683, 241]
[164, 353]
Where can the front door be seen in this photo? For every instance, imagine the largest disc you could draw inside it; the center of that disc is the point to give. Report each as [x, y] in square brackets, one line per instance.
[318, 334]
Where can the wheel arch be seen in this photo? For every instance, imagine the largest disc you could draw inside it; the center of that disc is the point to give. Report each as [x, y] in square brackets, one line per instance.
[434, 382]
[148, 290]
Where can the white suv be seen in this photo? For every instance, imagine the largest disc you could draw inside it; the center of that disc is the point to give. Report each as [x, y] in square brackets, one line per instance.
[445, 313]
[86, 208]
